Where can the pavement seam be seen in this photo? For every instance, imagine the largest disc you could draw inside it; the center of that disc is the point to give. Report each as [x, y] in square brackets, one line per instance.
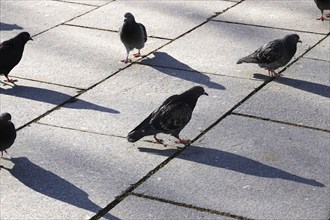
[190, 206]
[109, 30]
[269, 27]
[51, 28]
[76, 3]
[280, 122]
[316, 59]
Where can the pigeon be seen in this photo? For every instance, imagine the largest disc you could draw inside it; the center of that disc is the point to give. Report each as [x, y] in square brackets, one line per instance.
[170, 118]
[133, 35]
[11, 52]
[7, 132]
[275, 54]
[323, 5]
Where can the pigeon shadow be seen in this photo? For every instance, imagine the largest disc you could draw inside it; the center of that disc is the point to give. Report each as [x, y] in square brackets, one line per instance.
[52, 97]
[316, 88]
[51, 185]
[234, 162]
[184, 71]
[9, 27]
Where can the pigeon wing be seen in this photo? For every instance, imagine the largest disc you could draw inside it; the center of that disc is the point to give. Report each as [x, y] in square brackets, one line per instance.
[144, 32]
[271, 52]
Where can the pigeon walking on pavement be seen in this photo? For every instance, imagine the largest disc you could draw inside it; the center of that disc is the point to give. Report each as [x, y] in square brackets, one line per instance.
[170, 118]
[275, 54]
[11, 52]
[7, 132]
[323, 5]
[133, 35]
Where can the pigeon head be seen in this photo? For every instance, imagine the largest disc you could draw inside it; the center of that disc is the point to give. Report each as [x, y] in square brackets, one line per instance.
[24, 37]
[292, 38]
[129, 17]
[197, 91]
[6, 116]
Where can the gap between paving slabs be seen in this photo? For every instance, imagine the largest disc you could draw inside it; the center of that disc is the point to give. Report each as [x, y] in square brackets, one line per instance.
[130, 190]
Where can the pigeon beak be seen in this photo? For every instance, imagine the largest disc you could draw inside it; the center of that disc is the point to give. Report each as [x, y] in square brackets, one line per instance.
[30, 38]
[300, 41]
[206, 94]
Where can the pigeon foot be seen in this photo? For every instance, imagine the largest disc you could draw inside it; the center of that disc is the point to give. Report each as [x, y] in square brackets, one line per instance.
[182, 141]
[327, 15]
[321, 18]
[160, 141]
[126, 60]
[10, 80]
[137, 55]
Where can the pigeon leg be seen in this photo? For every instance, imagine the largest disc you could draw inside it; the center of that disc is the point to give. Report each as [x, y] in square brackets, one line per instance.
[1, 154]
[10, 80]
[138, 54]
[158, 140]
[183, 141]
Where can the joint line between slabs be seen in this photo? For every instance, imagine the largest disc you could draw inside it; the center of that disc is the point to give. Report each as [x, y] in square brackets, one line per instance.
[190, 206]
[279, 122]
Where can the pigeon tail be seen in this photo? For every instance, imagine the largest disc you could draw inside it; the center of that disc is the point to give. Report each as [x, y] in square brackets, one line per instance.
[134, 136]
[248, 59]
[143, 129]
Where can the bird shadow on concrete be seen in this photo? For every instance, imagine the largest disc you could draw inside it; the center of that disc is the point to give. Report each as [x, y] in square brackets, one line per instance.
[52, 185]
[316, 88]
[234, 162]
[9, 27]
[163, 62]
[53, 97]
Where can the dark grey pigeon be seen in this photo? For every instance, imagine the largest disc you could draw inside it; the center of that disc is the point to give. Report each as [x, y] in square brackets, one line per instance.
[275, 54]
[133, 35]
[11, 52]
[7, 132]
[323, 5]
[170, 118]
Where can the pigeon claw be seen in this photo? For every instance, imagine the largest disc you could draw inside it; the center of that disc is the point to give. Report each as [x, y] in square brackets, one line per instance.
[327, 15]
[321, 18]
[10, 80]
[160, 141]
[182, 141]
[137, 55]
[272, 73]
[126, 60]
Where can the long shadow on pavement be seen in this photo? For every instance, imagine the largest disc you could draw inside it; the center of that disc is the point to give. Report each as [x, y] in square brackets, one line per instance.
[161, 59]
[233, 162]
[316, 88]
[9, 27]
[52, 97]
[49, 184]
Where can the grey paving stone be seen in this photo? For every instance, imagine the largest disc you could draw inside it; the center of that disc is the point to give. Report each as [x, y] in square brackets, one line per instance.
[88, 2]
[75, 56]
[137, 91]
[139, 208]
[58, 173]
[167, 19]
[321, 51]
[216, 46]
[28, 100]
[301, 96]
[278, 14]
[35, 16]
[250, 168]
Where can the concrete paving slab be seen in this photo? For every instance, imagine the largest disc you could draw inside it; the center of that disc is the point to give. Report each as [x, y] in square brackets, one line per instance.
[139, 208]
[57, 173]
[35, 16]
[300, 97]
[75, 56]
[237, 167]
[216, 46]
[87, 2]
[138, 90]
[161, 16]
[278, 14]
[321, 51]
[28, 100]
